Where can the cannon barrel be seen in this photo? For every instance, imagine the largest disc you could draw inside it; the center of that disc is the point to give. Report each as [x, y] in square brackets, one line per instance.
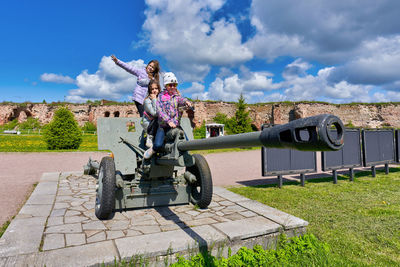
[309, 134]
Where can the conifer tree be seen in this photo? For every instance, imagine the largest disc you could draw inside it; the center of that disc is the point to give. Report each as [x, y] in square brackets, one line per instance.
[63, 131]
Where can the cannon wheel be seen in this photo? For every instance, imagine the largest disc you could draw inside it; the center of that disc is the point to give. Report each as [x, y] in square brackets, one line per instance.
[202, 189]
[105, 197]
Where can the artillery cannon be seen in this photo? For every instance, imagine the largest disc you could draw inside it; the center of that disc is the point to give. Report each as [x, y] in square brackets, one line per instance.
[173, 177]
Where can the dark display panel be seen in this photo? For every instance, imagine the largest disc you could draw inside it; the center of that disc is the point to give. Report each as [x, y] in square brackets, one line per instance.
[398, 146]
[378, 147]
[347, 157]
[286, 161]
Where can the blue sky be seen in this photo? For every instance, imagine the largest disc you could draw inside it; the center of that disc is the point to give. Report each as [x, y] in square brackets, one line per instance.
[334, 51]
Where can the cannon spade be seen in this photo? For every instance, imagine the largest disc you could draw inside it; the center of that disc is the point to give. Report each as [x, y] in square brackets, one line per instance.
[174, 176]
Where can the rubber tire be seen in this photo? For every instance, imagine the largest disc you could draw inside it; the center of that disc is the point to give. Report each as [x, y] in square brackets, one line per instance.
[107, 197]
[204, 181]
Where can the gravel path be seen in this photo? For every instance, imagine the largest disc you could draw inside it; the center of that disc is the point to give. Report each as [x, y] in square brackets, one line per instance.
[19, 171]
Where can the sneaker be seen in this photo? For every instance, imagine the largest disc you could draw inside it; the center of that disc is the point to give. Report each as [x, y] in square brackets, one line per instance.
[149, 141]
[148, 153]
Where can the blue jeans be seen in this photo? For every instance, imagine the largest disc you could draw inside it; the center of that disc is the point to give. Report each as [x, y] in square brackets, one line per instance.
[159, 139]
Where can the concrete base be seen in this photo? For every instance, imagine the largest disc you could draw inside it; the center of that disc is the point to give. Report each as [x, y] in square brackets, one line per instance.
[57, 227]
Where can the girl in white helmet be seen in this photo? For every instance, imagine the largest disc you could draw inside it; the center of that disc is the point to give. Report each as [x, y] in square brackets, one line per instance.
[144, 76]
[168, 103]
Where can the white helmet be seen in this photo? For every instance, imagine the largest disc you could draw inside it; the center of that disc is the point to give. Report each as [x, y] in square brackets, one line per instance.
[169, 77]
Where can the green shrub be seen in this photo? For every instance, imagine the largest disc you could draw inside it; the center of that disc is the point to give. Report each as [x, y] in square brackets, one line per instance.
[63, 131]
[89, 127]
[304, 250]
[30, 123]
[9, 125]
[200, 132]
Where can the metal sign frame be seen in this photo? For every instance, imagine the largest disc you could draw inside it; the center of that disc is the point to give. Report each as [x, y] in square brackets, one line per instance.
[324, 154]
[365, 146]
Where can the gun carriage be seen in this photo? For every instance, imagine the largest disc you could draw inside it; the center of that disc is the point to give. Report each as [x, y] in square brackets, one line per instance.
[174, 176]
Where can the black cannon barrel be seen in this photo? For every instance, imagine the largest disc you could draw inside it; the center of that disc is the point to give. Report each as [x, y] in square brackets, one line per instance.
[312, 133]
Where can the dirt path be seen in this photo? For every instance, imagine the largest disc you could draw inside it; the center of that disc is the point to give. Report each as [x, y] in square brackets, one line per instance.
[19, 171]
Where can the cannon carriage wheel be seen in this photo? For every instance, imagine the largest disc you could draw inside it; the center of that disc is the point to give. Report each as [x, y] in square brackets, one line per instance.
[105, 196]
[201, 190]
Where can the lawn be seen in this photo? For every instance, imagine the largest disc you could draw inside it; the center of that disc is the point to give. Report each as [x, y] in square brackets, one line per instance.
[36, 143]
[359, 220]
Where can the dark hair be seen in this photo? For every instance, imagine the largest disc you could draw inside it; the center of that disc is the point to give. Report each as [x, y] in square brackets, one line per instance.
[150, 84]
[156, 72]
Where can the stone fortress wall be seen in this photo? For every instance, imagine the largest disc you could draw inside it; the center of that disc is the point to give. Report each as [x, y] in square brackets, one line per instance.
[360, 115]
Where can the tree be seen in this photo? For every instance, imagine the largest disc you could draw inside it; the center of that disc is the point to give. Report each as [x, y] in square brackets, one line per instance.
[63, 131]
[240, 123]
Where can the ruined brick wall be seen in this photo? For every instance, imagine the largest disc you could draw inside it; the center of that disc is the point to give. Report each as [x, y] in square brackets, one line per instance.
[366, 115]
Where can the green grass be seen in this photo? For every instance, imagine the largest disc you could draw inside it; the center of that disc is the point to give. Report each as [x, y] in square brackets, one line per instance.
[3, 228]
[360, 220]
[36, 143]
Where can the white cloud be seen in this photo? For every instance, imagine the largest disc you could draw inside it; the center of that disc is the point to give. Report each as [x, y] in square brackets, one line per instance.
[329, 31]
[182, 32]
[109, 82]
[56, 78]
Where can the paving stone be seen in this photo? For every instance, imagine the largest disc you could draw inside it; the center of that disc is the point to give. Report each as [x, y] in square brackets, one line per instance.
[200, 222]
[53, 241]
[75, 219]
[221, 219]
[89, 205]
[132, 233]
[85, 255]
[37, 199]
[101, 236]
[77, 203]
[60, 205]
[119, 216]
[64, 229]
[64, 198]
[247, 213]
[233, 209]
[234, 216]
[228, 195]
[90, 233]
[217, 198]
[205, 215]
[172, 227]
[246, 228]
[50, 177]
[165, 211]
[22, 236]
[114, 234]
[78, 208]
[177, 240]
[148, 222]
[147, 229]
[71, 213]
[46, 188]
[75, 239]
[192, 212]
[117, 225]
[286, 220]
[163, 221]
[219, 213]
[93, 225]
[58, 212]
[218, 208]
[51, 221]
[36, 210]
[64, 192]
[226, 203]
[213, 204]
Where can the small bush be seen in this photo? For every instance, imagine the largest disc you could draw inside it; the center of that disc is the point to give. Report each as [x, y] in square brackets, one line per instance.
[304, 250]
[89, 127]
[200, 132]
[9, 125]
[63, 131]
[30, 123]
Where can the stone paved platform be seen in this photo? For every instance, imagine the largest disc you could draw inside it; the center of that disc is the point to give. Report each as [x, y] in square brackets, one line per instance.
[57, 227]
